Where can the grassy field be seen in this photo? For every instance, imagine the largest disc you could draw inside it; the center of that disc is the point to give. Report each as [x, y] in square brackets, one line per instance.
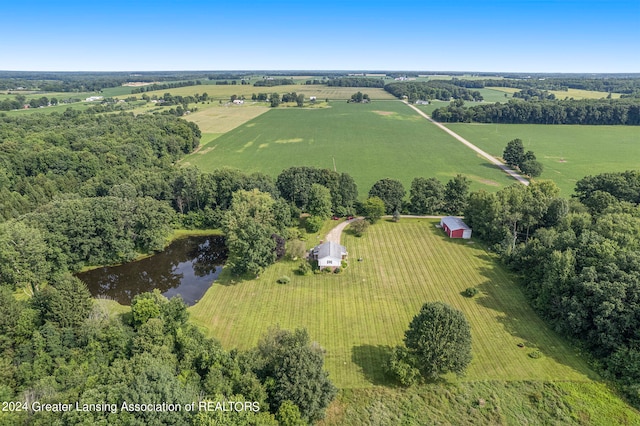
[223, 118]
[359, 314]
[369, 141]
[561, 94]
[568, 153]
[483, 403]
[224, 92]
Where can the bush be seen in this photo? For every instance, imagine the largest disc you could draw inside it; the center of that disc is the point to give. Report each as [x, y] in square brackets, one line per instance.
[313, 224]
[470, 292]
[400, 366]
[535, 354]
[304, 268]
[295, 249]
[284, 280]
[359, 227]
[343, 264]
[337, 270]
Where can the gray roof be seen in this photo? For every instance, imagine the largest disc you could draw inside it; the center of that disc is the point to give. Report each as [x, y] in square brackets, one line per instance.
[329, 249]
[454, 223]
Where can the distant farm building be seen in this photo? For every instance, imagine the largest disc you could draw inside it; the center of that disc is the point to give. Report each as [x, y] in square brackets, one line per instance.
[422, 102]
[329, 255]
[238, 101]
[455, 227]
[312, 98]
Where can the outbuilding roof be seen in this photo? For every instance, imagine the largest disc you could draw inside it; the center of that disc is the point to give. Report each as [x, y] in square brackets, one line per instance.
[454, 223]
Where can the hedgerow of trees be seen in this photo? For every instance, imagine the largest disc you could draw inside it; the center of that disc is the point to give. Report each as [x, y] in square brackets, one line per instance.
[587, 111]
[579, 261]
[425, 90]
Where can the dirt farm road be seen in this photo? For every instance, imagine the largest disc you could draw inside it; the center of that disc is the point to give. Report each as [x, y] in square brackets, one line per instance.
[486, 155]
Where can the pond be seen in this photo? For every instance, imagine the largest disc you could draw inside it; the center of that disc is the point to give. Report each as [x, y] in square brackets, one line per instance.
[187, 267]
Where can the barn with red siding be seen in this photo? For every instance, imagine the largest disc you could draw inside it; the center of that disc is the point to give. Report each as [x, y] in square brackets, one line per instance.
[455, 227]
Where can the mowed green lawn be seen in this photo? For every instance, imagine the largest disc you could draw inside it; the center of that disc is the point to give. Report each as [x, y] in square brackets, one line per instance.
[359, 314]
[384, 139]
[568, 153]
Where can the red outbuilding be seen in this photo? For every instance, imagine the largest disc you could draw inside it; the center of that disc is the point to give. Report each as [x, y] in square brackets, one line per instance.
[455, 227]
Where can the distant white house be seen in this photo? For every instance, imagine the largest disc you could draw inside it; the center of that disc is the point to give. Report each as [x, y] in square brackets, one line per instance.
[329, 255]
[93, 98]
[422, 102]
[312, 98]
[238, 101]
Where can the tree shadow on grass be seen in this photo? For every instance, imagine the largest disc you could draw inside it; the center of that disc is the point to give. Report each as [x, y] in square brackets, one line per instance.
[518, 319]
[372, 360]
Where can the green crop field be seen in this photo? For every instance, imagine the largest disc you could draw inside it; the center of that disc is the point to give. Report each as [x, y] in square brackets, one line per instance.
[224, 92]
[568, 153]
[369, 141]
[561, 94]
[359, 314]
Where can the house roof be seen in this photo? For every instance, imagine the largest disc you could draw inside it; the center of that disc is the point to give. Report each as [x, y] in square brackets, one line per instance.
[329, 249]
[454, 223]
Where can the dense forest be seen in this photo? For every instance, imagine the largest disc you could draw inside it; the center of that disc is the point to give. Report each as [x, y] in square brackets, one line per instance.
[535, 111]
[578, 260]
[83, 189]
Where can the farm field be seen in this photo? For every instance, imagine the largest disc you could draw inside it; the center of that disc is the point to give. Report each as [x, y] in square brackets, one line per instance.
[359, 314]
[368, 141]
[561, 94]
[567, 152]
[224, 92]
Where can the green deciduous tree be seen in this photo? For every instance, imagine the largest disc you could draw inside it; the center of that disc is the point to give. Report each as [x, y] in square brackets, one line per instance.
[391, 192]
[427, 196]
[439, 340]
[514, 153]
[373, 208]
[23, 256]
[293, 367]
[319, 201]
[249, 225]
[456, 194]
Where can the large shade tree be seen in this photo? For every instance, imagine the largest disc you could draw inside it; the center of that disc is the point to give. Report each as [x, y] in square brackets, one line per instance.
[438, 341]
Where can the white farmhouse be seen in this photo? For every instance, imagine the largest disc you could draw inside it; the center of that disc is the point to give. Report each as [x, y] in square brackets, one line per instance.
[329, 255]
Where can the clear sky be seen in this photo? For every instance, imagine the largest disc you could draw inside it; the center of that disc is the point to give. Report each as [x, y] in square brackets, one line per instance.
[482, 35]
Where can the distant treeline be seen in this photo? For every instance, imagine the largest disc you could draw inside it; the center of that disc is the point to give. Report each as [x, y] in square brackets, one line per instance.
[615, 85]
[356, 82]
[165, 86]
[437, 89]
[588, 111]
[270, 82]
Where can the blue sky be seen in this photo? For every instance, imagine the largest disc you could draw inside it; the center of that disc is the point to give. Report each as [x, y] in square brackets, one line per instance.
[141, 35]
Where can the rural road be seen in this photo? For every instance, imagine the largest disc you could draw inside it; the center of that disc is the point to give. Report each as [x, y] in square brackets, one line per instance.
[486, 155]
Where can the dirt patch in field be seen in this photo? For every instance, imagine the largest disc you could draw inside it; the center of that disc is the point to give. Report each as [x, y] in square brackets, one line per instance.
[489, 182]
[207, 149]
[384, 112]
[292, 140]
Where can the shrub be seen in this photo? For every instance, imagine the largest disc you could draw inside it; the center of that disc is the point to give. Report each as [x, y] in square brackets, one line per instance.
[535, 354]
[304, 268]
[471, 291]
[313, 224]
[337, 270]
[359, 227]
[284, 280]
[343, 264]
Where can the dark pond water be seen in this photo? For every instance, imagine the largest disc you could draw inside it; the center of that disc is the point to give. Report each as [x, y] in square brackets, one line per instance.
[187, 267]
